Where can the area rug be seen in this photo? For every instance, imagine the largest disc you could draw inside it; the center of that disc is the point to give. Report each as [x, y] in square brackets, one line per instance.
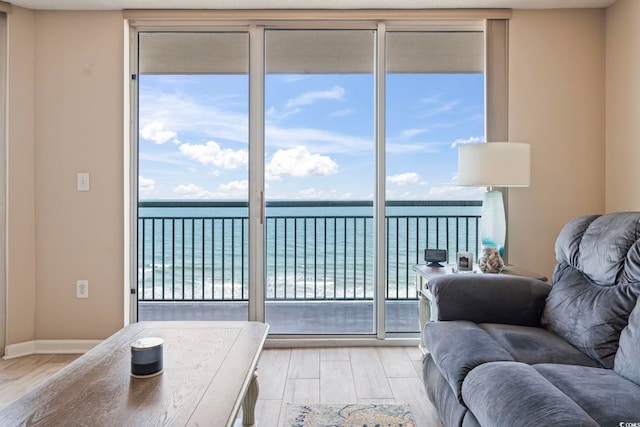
[358, 415]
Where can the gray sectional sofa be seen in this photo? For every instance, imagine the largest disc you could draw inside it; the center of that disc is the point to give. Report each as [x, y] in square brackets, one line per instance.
[512, 351]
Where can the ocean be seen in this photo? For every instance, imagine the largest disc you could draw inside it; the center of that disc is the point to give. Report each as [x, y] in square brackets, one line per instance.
[313, 251]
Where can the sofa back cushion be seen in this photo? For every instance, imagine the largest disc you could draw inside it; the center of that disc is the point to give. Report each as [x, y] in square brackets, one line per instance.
[596, 282]
[627, 361]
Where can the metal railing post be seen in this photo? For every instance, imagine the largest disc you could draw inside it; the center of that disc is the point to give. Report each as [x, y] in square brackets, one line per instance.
[343, 240]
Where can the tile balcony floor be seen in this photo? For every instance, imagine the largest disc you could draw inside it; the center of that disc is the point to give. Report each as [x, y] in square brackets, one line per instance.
[308, 317]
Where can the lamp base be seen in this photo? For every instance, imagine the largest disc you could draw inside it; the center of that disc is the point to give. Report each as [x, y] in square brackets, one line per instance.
[493, 225]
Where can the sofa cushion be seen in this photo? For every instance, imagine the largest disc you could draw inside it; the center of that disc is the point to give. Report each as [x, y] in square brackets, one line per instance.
[449, 408]
[455, 357]
[513, 394]
[536, 345]
[600, 247]
[596, 283]
[627, 361]
[569, 239]
[489, 342]
[489, 298]
[607, 397]
[589, 317]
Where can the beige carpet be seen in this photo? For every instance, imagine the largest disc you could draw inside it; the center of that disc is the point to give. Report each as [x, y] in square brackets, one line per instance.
[357, 415]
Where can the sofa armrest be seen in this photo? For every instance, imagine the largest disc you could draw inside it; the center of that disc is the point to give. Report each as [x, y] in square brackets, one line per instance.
[489, 298]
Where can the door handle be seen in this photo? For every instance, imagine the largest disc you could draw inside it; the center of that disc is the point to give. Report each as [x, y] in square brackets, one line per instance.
[261, 207]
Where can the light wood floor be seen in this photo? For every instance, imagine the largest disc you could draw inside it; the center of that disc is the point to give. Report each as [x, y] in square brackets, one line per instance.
[304, 375]
[19, 376]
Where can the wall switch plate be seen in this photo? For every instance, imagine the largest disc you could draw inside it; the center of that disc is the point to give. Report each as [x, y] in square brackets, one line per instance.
[83, 181]
[82, 289]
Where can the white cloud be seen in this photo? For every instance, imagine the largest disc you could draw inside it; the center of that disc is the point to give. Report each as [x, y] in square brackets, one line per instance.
[410, 133]
[192, 191]
[146, 186]
[404, 178]
[308, 98]
[444, 192]
[470, 140]
[184, 114]
[430, 99]
[423, 147]
[312, 193]
[293, 78]
[404, 195]
[212, 154]
[343, 113]
[441, 109]
[235, 187]
[230, 190]
[322, 141]
[298, 161]
[272, 113]
[447, 192]
[155, 132]
[319, 194]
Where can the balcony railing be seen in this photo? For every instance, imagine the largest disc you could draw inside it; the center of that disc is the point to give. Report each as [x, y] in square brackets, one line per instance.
[198, 251]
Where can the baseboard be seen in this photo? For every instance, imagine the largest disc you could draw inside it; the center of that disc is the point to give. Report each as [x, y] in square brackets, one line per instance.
[48, 347]
[20, 349]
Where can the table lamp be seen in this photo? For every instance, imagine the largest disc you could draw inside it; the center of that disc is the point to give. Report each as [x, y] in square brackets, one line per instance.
[494, 164]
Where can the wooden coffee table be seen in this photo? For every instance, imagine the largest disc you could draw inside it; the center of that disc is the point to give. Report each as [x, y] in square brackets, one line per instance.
[209, 371]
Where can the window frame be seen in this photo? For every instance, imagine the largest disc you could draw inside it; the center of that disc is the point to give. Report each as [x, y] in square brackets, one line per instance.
[494, 24]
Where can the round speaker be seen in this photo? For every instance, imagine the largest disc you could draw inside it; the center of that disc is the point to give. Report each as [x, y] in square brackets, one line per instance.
[146, 357]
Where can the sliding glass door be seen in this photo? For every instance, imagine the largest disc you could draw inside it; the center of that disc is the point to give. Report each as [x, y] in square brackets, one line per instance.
[192, 186]
[434, 103]
[319, 145]
[295, 174]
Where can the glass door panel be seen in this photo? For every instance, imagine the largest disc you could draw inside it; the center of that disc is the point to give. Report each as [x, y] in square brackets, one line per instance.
[319, 181]
[193, 179]
[434, 103]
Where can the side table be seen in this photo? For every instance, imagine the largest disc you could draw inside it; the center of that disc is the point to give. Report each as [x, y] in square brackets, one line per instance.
[427, 311]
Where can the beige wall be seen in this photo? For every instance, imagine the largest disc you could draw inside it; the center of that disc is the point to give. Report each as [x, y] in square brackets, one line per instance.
[65, 86]
[21, 261]
[623, 106]
[556, 103]
[66, 117]
[79, 128]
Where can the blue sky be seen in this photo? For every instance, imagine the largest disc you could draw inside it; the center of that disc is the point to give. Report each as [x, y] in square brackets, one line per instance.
[319, 136]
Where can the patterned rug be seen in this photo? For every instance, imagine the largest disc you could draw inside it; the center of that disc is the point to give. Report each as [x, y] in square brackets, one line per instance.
[360, 415]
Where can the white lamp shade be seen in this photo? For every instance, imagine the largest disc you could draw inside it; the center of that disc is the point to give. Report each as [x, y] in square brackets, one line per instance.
[497, 164]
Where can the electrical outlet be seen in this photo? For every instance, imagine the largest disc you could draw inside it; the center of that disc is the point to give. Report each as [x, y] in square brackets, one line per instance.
[82, 289]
